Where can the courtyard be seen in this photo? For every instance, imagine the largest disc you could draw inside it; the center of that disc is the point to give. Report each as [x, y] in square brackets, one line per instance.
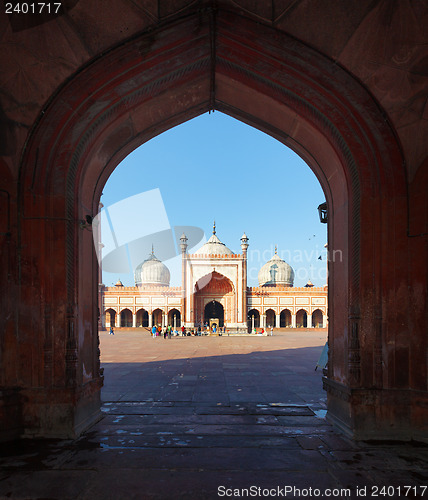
[211, 417]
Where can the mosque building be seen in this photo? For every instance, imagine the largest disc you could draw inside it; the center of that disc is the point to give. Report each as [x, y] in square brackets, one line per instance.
[214, 292]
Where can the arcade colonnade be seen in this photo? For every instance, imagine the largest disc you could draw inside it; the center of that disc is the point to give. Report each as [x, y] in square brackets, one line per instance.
[142, 318]
[344, 87]
[115, 300]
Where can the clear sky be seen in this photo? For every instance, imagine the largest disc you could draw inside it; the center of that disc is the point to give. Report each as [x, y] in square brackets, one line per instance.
[216, 168]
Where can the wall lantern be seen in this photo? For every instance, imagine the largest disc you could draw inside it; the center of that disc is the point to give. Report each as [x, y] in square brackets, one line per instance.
[322, 212]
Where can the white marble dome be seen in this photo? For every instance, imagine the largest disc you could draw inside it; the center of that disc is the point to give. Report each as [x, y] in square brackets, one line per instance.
[214, 247]
[276, 272]
[152, 272]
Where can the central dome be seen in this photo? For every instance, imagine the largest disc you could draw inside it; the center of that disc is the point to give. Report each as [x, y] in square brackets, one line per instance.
[152, 272]
[214, 247]
[276, 272]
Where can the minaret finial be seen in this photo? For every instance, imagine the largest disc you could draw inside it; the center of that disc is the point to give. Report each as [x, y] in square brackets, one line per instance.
[153, 250]
[214, 227]
[276, 250]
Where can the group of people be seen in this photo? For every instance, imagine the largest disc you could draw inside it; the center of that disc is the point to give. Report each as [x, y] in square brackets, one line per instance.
[169, 331]
[262, 332]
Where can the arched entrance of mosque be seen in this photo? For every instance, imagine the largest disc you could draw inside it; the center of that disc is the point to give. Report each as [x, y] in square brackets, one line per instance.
[110, 318]
[317, 319]
[157, 317]
[285, 319]
[174, 318]
[125, 318]
[271, 318]
[214, 297]
[301, 319]
[142, 318]
[253, 319]
[214, 314]
[267, 79]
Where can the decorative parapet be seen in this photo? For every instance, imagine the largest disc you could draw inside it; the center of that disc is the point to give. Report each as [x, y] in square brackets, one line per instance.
[139, 289]
[260, 290]
[214, 256]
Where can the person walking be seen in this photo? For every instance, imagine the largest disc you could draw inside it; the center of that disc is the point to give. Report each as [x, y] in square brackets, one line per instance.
[154, 330]
[111, 332]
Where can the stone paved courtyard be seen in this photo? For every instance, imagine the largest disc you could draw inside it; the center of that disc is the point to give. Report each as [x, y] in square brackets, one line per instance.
[208, 417]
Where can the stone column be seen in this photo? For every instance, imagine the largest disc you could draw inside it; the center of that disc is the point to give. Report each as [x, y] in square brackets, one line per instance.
[277, 320]
[118, 320]
[134, 320]
[324, 320]
[293, 321]
[150, 320]
[309, 322]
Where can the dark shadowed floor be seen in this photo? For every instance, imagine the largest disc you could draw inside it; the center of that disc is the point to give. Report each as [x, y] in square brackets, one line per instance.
[212, 417]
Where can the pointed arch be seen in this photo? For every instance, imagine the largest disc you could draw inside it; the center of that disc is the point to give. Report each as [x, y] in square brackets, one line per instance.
[267, 79]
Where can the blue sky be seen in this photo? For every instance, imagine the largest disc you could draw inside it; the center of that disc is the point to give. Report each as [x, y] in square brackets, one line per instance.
[215, 167]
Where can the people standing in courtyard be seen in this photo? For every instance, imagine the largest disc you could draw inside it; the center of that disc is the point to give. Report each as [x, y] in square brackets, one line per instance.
[271, 331]
[111, 332]
[154, 331]
[183, 331]
[169, 331]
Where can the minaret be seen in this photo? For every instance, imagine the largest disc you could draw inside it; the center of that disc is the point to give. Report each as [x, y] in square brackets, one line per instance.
[183, 246]
[244, 246]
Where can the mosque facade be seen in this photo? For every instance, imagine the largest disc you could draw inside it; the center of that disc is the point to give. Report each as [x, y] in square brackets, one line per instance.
[214, 293]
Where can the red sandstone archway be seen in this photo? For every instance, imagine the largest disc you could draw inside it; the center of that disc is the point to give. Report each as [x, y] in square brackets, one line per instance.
[317, 318]
[157, 317]
[253, 320]
[285, 318]
[214, 287]
[110, 318]
[301, 318]
[160, 79]
[174, 318]
[142, 318]
[125, 318]
[271, 318]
